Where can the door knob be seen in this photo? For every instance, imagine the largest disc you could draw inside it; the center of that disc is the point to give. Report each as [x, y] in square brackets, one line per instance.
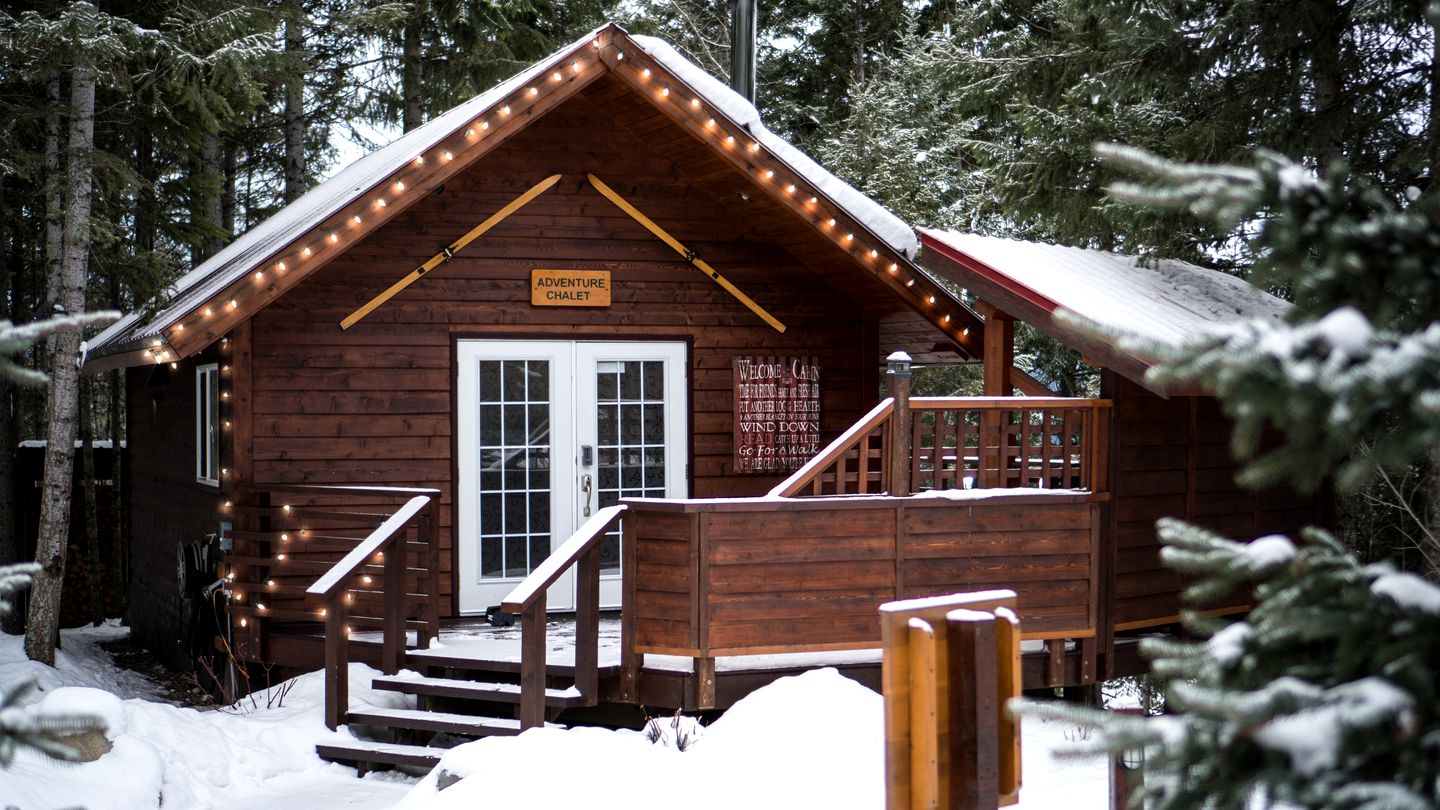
[587, 487]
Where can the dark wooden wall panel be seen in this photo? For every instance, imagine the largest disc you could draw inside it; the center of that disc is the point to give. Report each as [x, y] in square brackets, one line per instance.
[1173, 460]
[166, 505]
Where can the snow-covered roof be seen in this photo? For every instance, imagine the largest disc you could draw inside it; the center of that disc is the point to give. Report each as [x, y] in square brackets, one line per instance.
[889, 228]
[1162, 301]
[252, 249]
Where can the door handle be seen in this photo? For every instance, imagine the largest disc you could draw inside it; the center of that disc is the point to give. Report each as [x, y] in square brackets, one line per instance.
[587, 487]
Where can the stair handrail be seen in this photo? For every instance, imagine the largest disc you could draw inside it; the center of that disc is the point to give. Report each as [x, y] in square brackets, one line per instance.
[330, 589]
[528, 600]
[845, 443]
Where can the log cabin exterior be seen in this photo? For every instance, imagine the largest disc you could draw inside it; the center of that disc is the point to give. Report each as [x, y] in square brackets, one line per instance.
[392, 457]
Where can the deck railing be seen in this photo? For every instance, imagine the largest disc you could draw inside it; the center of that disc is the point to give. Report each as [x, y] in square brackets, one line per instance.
[907, 445]
[527, 599]
[344, 557]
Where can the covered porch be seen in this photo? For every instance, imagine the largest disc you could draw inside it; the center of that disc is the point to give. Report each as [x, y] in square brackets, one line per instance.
[922, 496]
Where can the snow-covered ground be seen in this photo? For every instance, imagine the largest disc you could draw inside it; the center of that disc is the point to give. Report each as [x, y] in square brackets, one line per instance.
[814, 740]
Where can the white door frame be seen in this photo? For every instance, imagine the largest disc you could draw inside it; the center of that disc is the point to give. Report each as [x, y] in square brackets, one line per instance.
[573, 424]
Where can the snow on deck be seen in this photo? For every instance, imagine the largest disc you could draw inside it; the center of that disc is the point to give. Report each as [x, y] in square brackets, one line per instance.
[1164, 301]
[479, 641]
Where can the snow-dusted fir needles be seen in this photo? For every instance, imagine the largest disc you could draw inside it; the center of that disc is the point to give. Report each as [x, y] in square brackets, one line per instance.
[50, 734]
[1324, 695]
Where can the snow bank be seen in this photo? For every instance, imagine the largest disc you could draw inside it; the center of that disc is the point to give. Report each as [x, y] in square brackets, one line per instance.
[166, 755]
[811, 740]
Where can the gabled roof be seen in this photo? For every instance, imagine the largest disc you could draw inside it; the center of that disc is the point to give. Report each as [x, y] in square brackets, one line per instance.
[265, 262]
[1162, 301]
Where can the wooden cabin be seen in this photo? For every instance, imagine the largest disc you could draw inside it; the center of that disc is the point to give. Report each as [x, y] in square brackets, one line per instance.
[598, 344]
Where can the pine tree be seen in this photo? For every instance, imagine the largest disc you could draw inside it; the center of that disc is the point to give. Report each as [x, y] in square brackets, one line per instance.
[1325, 695]
[20, 729]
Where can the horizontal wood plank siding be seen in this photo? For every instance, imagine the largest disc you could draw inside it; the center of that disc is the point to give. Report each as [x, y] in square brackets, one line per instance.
[803, 574]
[1172, 459]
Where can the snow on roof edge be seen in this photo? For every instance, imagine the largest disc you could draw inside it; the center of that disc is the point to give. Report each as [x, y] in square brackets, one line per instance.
[1163, 302]
[240, 255]
[329, 196]
[889, 228]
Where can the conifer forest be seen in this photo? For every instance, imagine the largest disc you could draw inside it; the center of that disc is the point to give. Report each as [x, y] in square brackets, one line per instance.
[1294, 145]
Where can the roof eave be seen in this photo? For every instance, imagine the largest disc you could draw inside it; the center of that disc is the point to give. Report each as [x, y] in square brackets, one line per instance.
[1038, 310]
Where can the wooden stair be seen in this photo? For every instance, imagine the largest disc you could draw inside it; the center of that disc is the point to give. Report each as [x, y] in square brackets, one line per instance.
[465, 699]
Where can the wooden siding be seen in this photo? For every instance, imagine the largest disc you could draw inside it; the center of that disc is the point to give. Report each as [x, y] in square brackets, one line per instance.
[1172, 459]
[374, 405]
[166, 506]
[810, 573]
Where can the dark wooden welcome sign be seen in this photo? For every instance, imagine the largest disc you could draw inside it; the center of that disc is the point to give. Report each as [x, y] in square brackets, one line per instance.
[777, 413]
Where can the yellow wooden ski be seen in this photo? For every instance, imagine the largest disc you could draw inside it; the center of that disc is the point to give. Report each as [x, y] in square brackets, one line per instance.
[690, 255]
[454, 247]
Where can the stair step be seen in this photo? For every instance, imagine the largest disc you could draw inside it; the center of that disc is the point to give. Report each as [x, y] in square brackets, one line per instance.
[455, 660]
[366, 752]
[469, 725]
[475, 690]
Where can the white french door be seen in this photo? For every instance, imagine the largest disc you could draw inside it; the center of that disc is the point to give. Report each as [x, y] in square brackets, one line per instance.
[548, 433]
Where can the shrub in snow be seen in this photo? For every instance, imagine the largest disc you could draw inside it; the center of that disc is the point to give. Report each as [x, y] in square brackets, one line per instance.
[1323, 697]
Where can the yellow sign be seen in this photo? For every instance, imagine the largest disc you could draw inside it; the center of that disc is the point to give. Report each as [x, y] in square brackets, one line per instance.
[570, 288]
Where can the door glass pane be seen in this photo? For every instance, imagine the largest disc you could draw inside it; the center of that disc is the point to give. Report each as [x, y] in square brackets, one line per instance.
[514, 439]
[630, 430]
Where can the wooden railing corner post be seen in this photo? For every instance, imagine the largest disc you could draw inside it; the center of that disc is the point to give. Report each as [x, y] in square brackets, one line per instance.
[897, 465]
[587, 626]
[430, 536]
[337, 661]
[393, 645]
[532, 664]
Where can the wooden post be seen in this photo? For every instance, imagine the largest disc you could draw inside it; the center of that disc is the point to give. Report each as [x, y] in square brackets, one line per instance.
[974, 711]
[392, 654]
[1127, 772]
[904, 681]
[430, 535]
[337, 662]
[897, 471]
[999, 359]
[925, 775]
[532, 664]
[704, 682]
[629, 660]
[587, 626]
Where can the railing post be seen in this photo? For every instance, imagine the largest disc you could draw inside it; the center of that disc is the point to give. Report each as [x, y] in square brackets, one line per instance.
[587, 626]
[897, 470]
[532, 664]
[392, 654]
[630, 661]
[337, 661]
[430, 535]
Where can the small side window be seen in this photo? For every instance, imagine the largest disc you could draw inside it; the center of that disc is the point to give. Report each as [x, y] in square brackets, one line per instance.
[207, 424]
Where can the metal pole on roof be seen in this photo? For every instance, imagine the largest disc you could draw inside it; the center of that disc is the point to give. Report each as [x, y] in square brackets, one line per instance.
[742, 49]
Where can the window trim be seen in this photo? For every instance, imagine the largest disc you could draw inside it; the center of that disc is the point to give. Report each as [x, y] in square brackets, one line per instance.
[205, 432]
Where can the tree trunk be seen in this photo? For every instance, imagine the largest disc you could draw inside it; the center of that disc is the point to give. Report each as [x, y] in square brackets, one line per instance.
[11, 622]
[42, 629]
[295, 105]
[1432, 131]
[208, 187]
[119, 584]
[228, 169]
[54, 195]
[411, 71]
[1331, 115]
[92, 518]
